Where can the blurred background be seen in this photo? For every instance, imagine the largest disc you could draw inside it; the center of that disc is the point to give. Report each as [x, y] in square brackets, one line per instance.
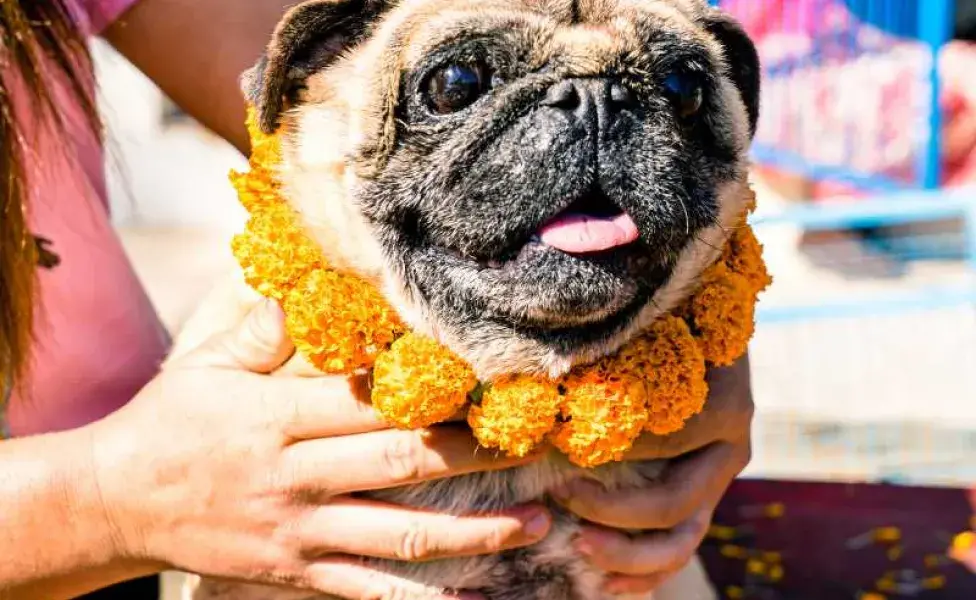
[865, 166]
[864, 359]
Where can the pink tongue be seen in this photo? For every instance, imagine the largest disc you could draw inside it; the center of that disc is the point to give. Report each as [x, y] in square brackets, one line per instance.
[579, 233]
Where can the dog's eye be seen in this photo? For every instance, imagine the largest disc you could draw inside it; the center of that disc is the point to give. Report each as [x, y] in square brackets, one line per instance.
[456, 87]
[686, 92]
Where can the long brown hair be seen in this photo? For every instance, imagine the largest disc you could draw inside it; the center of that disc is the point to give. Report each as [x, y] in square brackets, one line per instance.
[42, 51]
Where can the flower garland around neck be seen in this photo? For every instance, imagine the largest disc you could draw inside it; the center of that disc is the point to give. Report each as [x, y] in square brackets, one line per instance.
[343, 325]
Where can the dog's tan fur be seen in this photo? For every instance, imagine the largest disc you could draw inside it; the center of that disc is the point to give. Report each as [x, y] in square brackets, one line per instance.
[344, 128]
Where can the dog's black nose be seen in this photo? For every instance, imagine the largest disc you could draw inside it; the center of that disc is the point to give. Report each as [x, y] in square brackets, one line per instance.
[590, 101]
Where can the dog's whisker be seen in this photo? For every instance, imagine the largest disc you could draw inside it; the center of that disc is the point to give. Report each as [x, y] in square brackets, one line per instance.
[684, 208]
[707, 243]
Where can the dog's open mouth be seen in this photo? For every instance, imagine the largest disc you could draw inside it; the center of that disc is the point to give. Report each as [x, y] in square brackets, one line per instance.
[581, 268]
[593, 223]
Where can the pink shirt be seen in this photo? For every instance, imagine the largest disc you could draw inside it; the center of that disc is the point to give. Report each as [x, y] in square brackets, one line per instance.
[98, 337]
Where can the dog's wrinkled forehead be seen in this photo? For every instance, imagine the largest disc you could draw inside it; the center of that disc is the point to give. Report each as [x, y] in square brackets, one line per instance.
[587, 34]
[389, 39]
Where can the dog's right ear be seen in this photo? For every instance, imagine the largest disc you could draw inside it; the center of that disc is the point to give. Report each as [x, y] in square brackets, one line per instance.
[308, 38]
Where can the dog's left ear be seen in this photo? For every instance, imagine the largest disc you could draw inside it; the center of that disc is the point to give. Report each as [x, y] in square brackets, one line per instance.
[308, 38]
[741, 58]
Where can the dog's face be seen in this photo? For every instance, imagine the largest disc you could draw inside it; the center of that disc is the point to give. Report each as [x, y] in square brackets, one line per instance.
[531, 181]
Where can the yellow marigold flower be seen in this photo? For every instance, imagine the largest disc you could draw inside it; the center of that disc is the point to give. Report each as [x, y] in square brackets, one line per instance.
[256, 189]
[274, 251]
[418, 382]
[675, 376]
[743, 256]
[338, 321]
[603, 413]
[723, 313]
[964, 542]
[515, 414]
[265, 149]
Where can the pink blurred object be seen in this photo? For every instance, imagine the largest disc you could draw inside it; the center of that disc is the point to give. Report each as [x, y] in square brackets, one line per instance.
[863, 102]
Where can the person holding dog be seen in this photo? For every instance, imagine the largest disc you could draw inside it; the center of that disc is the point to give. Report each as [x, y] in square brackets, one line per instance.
[114, 469]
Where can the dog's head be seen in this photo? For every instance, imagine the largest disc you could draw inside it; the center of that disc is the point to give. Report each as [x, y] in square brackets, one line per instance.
[530, 181]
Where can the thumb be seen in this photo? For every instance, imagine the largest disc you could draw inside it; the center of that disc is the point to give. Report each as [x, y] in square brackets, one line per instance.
[259, 343]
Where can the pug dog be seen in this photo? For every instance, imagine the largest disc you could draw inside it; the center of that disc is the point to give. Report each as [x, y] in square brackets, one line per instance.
[530, 182]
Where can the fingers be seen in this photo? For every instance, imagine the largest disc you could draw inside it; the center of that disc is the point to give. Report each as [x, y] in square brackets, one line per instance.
[389, 458]
[686, 485]
[259, 343]
[349, 578]
[221, 310]
[635, 585]
[368, 528]
[727, 417]
[654, 553]
[327, 406]
[298, 366]
[306, 408]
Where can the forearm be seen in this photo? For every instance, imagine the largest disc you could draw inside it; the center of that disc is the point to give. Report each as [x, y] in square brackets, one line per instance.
[196, 50]
[55, 539]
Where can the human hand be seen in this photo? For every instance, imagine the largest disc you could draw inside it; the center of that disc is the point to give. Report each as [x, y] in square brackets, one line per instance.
[712, 449]
[220, 469]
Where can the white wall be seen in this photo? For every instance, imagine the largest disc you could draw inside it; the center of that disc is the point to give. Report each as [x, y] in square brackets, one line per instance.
[160, 177]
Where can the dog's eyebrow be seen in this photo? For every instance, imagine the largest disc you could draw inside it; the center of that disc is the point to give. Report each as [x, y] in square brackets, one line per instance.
[669, 50]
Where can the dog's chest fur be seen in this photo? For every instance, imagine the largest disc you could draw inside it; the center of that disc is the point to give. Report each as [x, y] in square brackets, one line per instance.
[549, 570]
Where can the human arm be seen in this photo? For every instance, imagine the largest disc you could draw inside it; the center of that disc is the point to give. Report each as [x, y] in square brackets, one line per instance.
[253, 483]
[54, 537]
[196, 50]
[707, 455]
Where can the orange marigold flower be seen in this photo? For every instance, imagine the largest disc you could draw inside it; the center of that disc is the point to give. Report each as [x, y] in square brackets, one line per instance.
[338, 321]
[515, 414]
[676, 386]
[723, 312]
[603, 413]
[418, 382]
[274, 251]
[265, 149]
[743, 256]
[256, 189]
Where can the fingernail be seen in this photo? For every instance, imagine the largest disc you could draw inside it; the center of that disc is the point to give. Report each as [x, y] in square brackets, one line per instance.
[537, 526]
[560, 492]
[466, 596]
[593, 538]
[583, 547]
[616, 589]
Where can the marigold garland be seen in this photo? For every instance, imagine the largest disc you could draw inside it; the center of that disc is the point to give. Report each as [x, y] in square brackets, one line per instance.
[416, 384]
[603, 412]
[336, 335]
[342, 324]
[515, 413]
